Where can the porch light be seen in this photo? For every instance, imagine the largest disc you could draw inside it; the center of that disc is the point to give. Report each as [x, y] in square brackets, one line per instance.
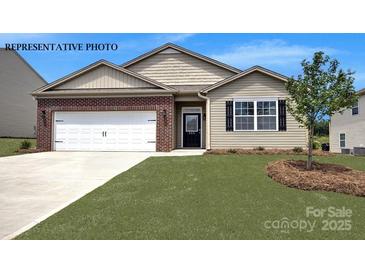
[164, 115]
[43, 117]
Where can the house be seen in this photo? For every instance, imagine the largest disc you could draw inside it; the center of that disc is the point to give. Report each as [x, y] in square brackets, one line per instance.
[17, 107]
[167, 98]
[347, 130]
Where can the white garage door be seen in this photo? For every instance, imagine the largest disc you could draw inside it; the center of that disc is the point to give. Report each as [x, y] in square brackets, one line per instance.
[105, 131]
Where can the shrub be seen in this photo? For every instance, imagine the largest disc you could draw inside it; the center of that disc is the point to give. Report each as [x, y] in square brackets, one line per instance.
[298, 150]
[231, 150]
[25, 144]
[316, 145]
[259, 148]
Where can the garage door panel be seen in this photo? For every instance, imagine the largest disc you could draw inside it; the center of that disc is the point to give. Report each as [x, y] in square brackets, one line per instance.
[105, 131]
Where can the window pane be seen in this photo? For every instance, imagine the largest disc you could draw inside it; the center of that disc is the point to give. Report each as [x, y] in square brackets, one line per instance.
[266, 108]
[238, 106]
[250, 108]
[342, 140]
[191, 123]
[244, 108]
[266, 123]
[244, 123]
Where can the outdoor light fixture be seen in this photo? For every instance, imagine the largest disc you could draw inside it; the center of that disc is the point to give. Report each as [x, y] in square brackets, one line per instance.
[164, 115]
[43, 116]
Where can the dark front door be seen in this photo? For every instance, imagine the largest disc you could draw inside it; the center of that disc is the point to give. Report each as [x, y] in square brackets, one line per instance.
[191, 129]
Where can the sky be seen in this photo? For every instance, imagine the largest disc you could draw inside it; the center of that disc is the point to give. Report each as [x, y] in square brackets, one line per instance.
[279, 52]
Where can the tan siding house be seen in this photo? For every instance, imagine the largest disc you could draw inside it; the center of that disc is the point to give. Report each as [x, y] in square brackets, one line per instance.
[349, 127]
[258, 86]
[17, 107]
[102, 77]
[167, 98]
[177, 68]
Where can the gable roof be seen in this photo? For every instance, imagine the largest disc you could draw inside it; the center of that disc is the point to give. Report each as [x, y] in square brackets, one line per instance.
[25, 62]
[244, 73]
[183, 50]
[362, 91]
[95, 65]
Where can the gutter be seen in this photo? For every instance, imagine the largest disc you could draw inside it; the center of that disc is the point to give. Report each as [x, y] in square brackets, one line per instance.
[207, 120]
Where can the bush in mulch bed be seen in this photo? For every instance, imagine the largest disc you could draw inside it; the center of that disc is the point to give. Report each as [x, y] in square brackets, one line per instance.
[261, 151]
[327, 177]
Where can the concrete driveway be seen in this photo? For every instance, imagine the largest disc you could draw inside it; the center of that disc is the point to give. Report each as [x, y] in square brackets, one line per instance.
[35, 186]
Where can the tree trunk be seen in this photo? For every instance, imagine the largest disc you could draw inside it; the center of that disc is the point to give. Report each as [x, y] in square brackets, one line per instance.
[310, 147]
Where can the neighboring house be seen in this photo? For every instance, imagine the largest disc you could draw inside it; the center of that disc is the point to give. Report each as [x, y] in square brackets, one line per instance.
[347, 130]
[17, 107]
[167, 98]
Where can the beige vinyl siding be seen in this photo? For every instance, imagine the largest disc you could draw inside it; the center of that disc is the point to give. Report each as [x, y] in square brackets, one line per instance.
[255, 85]
[178, 113]
[352, 125]
[180, 69]
[104, 77]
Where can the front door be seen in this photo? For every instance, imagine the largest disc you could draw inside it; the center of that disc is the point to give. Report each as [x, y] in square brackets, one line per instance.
[191, 129]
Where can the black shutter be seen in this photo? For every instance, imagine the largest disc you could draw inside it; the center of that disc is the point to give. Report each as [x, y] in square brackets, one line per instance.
[282, 115]
[229, 115]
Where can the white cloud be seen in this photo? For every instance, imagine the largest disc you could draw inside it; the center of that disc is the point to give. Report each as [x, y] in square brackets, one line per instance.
[359, 79]
[173, 38]
[268, 53]
[359, 76]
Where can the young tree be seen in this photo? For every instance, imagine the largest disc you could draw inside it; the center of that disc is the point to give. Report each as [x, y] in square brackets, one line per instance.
[319, 92]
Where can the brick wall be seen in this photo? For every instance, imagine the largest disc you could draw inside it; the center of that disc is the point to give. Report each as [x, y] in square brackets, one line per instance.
[164, 130]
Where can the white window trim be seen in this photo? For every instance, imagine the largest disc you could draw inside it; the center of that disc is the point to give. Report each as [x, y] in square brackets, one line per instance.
[234, 115]
[339, 140]
[255, 100]
[352, 109]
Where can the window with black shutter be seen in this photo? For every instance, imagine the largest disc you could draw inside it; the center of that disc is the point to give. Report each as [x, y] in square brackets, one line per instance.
[282, 115]
[229, 115]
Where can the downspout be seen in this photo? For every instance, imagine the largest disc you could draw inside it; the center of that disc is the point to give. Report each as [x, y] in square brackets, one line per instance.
[207, 120]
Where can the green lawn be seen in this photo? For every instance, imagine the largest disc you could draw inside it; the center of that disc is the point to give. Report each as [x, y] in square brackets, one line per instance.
[9, 146]
[199, 197]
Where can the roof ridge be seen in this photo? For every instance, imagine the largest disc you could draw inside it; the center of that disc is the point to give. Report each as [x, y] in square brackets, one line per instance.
[181, 49]
[96, 64]
[243, 73]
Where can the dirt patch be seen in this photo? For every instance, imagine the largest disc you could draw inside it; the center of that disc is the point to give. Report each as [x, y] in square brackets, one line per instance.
[264, 152]
[327, 177]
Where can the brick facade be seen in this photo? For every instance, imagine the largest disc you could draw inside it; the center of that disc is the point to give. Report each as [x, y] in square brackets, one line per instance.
[165, 126]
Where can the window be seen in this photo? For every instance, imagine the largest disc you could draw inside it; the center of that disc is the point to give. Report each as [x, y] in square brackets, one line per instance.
[266, 115]
[191, 123]
[255, 115]
[244, 115]
[355, 108]
[342, 140]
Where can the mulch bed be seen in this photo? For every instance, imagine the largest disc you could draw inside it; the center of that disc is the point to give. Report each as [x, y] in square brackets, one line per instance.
[264, 152]
[28, 150]
[327, 177]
